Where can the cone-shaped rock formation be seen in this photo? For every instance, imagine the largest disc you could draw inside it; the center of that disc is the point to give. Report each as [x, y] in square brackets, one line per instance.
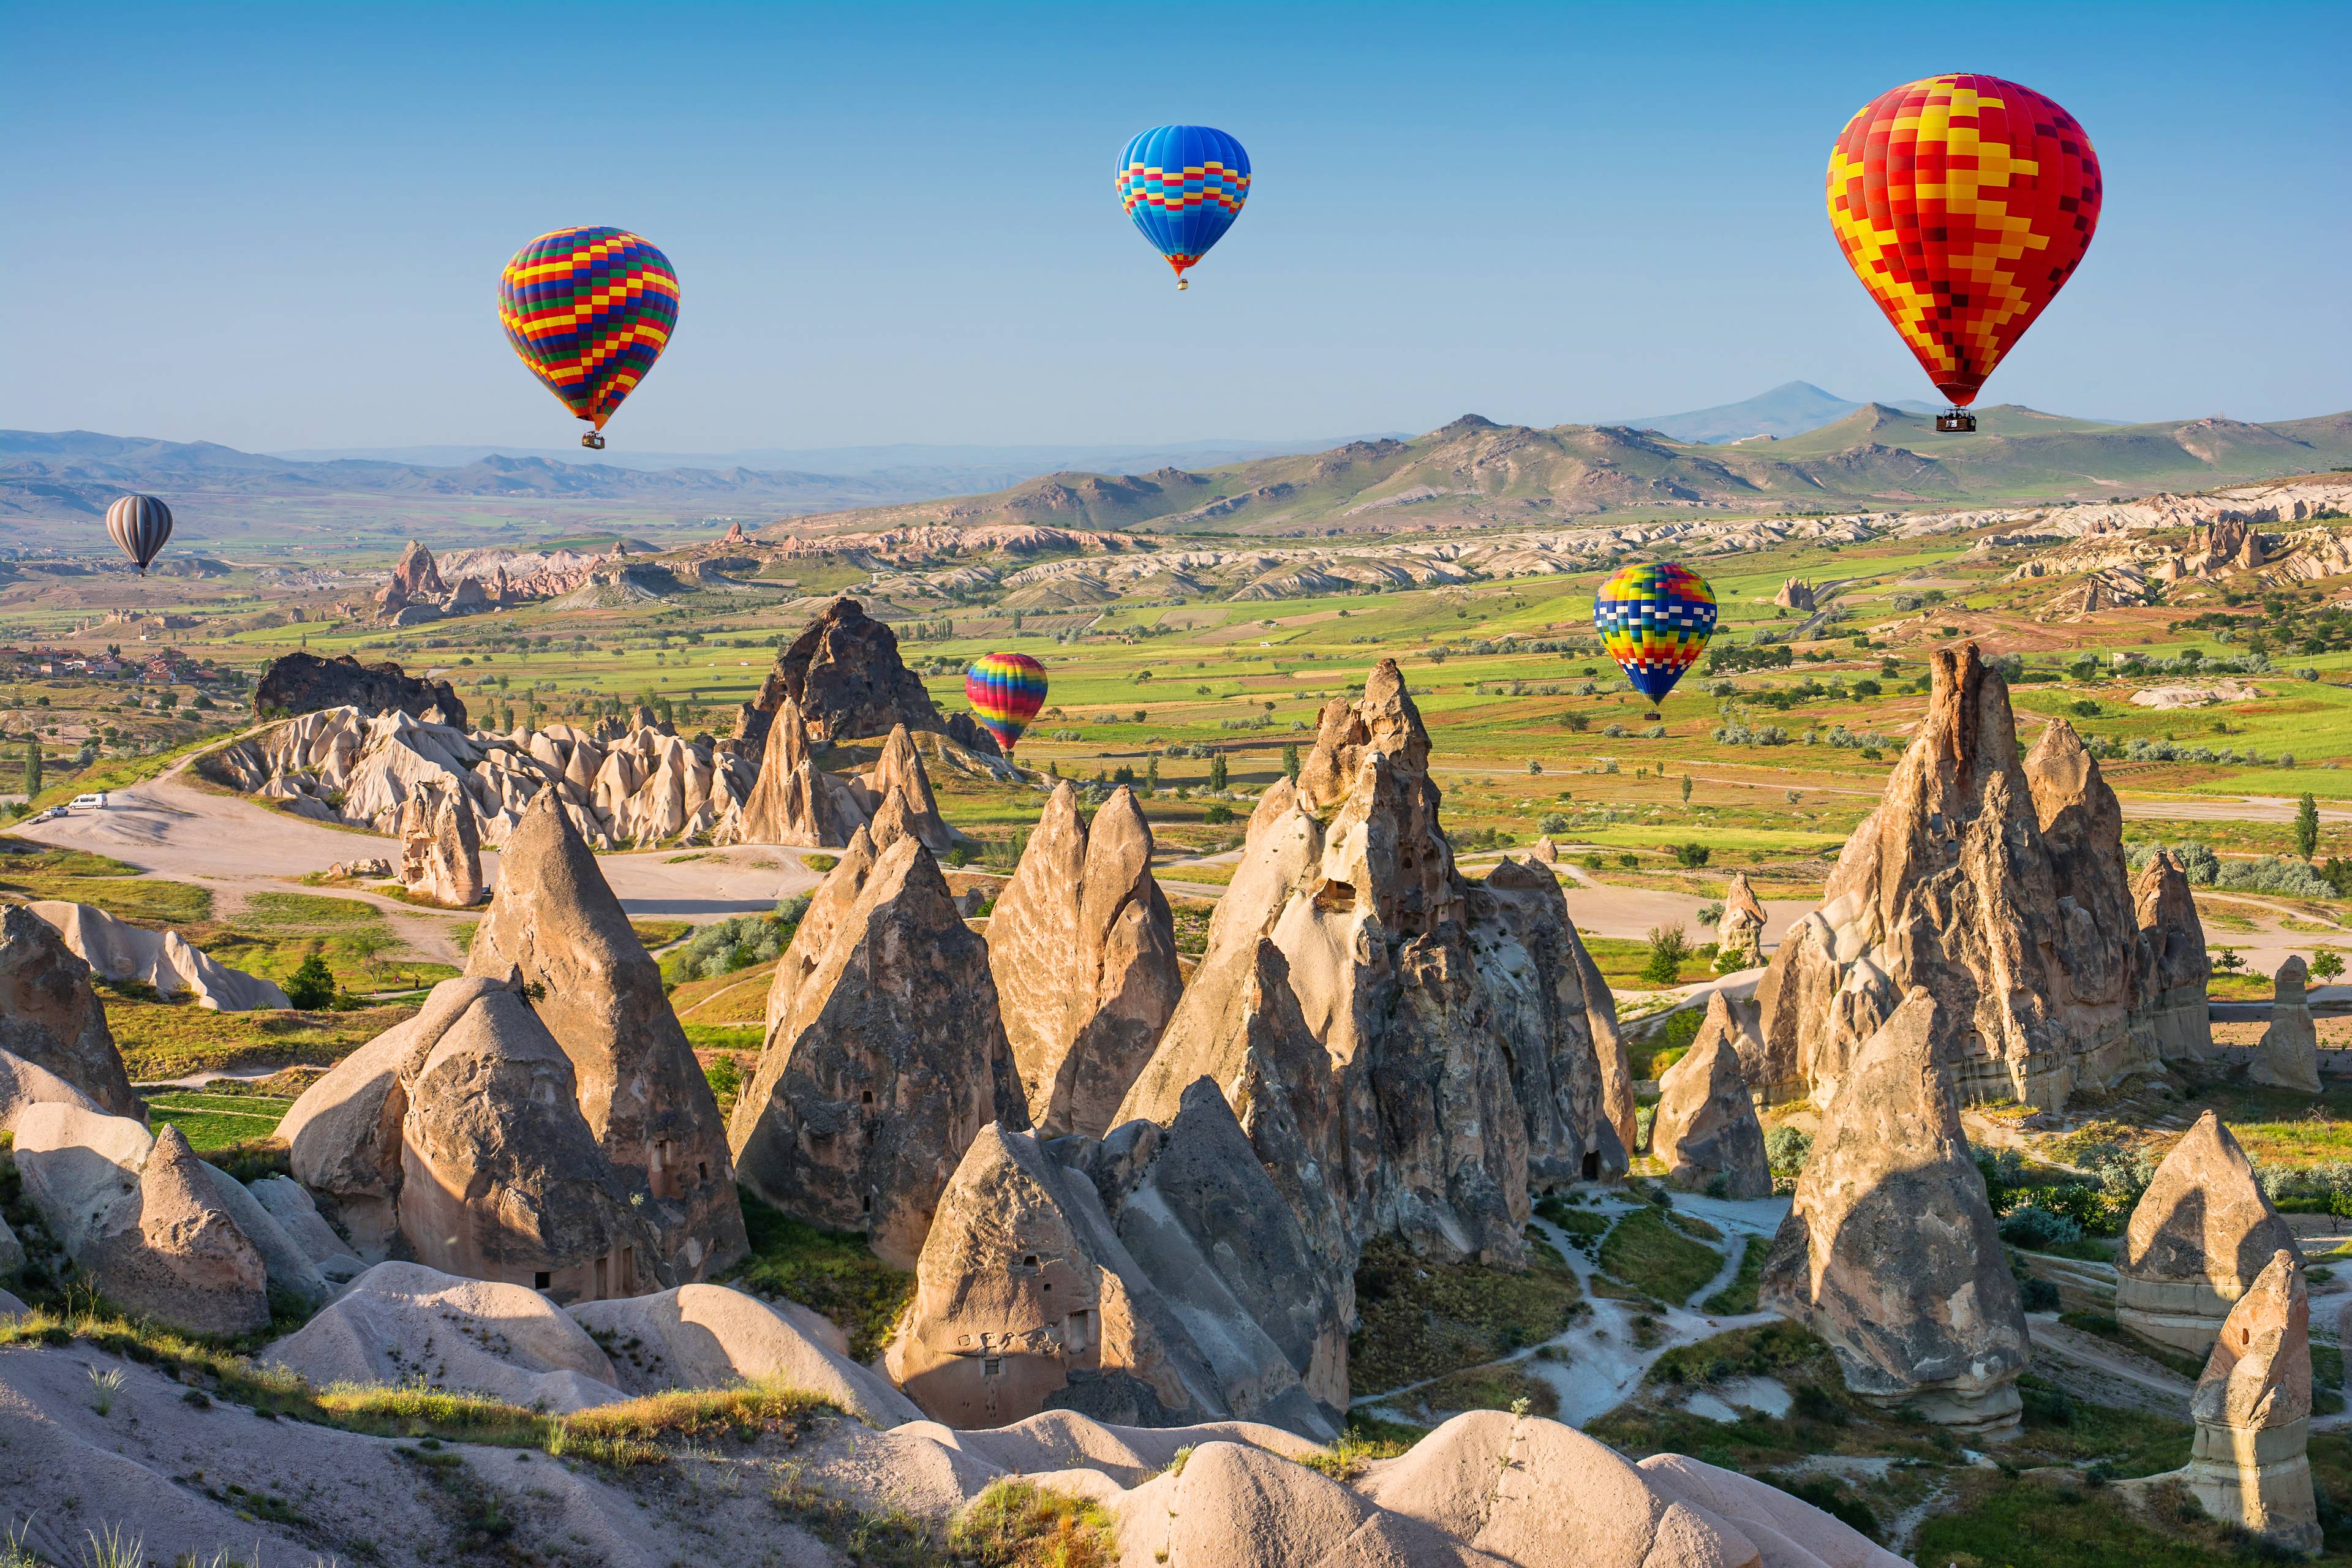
[1707, 1130]
[2250, 1465]
[2199, 1234]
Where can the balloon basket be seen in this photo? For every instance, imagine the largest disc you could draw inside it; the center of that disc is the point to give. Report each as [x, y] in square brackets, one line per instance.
[1183, 284]
[1654, 715]
[1957, 422]
[593, 440]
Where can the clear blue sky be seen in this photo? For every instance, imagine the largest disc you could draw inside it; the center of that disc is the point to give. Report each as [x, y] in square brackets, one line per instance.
[280, 226]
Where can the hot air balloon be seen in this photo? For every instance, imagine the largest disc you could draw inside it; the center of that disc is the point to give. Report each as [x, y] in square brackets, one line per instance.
[1006, 690]
[1655, 620]
[1184, 186]
[1963, 203]
[589, 310]
[140, 525]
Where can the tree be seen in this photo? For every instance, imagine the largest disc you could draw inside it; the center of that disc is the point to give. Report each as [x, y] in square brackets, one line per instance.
[32, 769]
[1668, 947]
[1692, 855]
[1290, 761]
[2326, 963]
[2307, 827]
[1217, 771]
[312, 986]
[1686, 789]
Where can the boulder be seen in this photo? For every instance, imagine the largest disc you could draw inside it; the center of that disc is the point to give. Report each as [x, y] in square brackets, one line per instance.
[2200, 1233]
[10, 1307]
[1740, 936]
[1082, 947]
[555, 922]
[51, 1017]
[24, 1083]
[2175, 967]
[2287, 1056]
[407, 1325]
[1706, 1131]
[302, 682]
[1787, 1533]
[707, 1336]
[289, 1204]
[1502, 1485]
[141, 1219]
[119, 950]
[12, 1260]
[1890, 1253]
[1997, 885]
[2248, 1465]
[286, 1268]
[501, 1178]
[884, 1057]
[845, 675]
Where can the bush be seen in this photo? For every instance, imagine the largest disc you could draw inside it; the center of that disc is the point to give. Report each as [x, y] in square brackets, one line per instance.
[1692, 855]
[313, 985]
[1785, 1150]
[1668, 947]
[1218, 814]
[2037, 1229]
[1553, 822]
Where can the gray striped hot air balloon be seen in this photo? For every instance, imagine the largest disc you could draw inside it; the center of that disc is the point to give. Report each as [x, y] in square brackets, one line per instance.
[141, 525]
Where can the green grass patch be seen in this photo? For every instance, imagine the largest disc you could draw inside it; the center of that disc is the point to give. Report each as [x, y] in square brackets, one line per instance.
[144, 901]
[176, 1039]
[660, 933]
[22, 857]
[304, 911]
[1502, 1385]
[1366, 1439]
[2052, 1523]
[825, 1272]
[1740, 1297]
[1016, 1524]
[2100, 1325]
[1647, 1252]
[207, 1127]
[1418, 1320]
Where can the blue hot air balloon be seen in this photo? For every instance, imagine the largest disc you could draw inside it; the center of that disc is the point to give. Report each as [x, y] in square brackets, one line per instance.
[1184, 186]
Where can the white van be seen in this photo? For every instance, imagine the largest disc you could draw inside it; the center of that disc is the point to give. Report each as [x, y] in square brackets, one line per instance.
[96, 802]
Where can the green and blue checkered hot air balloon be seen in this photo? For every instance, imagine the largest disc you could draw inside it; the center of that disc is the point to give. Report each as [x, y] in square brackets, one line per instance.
[1655, 620]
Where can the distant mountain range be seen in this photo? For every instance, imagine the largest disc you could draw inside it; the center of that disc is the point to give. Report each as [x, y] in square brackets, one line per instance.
[1475, 472]
[1790, 408]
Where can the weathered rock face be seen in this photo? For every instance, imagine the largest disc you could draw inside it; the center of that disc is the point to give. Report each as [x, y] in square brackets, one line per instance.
[556, 922]
[1796, 593]
[708, 1336]
[1403, 1050]
[2250, 1464]
[1996, 887]
[440, 849]
[883, 1059]
[898, 774]
[1150, 1279]
[1891, 1253]
[794, 802]
[1740, 934]
[844, 675]
[1707, 1130]
[51, 1017]
[117, 950]
[1083, 950]
[2287, 1056]
[414, 578]
[303, 683]
[142, 1219]
[2197, 1238]
[25, 1084]
[2175, 967]
[500, 1176]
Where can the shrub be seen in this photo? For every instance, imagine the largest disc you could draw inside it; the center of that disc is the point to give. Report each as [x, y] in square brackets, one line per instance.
[1692, 855]
[312, 986]
[1785, 1150]
[2038, 1229]
[1553, 822]
[1218, 814]
[1668, 948]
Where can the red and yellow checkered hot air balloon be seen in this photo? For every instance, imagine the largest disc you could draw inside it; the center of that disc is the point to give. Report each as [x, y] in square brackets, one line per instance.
[1006, 690]
[1963, 203]
[1655, 619]
[589, 310]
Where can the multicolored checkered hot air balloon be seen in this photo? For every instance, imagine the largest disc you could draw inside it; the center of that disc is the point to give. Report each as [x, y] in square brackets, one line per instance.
[1006, 690]
[589, 310]
[1963, 203]
[1184, 186]
[1655, 620]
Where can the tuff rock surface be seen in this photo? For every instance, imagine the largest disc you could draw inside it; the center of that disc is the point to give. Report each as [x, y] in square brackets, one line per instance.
[440, 847]
[1891, 1253]
[1707, 1128]
[2200, 1233]
[1739, 935]
[884, 1054]
[1082, 947]
[555, 922]
[794, 801]
[1997, 886]
[302, 682]
[2176, 968]
[51, 1017]
[2288, 1056]
[117, 950]
[2250, 1464]
[845, 675]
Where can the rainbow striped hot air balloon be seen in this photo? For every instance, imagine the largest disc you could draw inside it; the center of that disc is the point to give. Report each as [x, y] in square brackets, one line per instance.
[1006, 690]
[1184, 186]
[589, 310]
[1655, 620]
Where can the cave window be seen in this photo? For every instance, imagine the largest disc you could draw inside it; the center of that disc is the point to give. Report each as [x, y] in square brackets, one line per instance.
[992, 1366]
[541, 1280]
[1592, 1165]
[865, 1204]
[702, 1169]
[867, 1098]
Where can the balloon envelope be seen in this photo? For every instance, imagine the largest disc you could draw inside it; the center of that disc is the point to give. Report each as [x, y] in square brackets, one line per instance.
[1006, 690]
[1963, 203]
[1184, 186]
[1655, 620]
[140, 525]
[589, 310]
